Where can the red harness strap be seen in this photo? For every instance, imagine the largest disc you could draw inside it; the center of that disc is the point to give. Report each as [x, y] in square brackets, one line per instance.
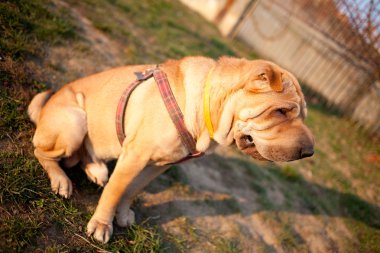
[170, 103]
[123, 103]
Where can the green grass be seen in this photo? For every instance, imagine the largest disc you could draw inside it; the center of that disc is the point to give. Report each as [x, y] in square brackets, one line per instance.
[223, 245]
[155, 31]
[26, 24]
[289, 238]
[136, 239]
[22, 232]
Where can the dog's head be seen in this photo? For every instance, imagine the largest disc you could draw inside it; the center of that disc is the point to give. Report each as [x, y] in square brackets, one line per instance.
[262, 110]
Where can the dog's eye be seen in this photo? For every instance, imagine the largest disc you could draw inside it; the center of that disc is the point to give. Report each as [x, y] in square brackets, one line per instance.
[263, 77]
[281, 111]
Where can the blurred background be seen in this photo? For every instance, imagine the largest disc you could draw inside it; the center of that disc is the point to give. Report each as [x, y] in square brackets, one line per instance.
[332, 46]
[225, 202]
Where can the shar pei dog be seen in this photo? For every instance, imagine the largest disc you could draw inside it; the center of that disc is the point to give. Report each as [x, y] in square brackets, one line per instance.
[254, 104]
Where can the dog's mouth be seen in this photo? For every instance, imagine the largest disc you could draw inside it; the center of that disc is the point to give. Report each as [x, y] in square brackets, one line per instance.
[245, 144]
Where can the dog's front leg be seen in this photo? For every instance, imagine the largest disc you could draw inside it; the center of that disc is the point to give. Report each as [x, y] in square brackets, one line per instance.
[128, 167]
[124, 215]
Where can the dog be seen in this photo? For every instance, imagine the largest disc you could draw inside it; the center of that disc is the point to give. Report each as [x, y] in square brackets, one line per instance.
[254, 104]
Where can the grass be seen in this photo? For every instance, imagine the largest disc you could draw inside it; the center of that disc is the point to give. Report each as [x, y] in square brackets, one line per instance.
[223, 245]
[289, 239]
[341, 181]
[145, 26]
[26, 24]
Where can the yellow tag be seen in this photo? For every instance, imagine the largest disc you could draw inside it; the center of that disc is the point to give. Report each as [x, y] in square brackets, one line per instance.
[206, 105]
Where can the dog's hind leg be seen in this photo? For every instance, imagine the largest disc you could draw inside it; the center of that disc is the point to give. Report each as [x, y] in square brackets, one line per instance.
[60, 183]
[97, 172]
[95, 169]
[60, 131]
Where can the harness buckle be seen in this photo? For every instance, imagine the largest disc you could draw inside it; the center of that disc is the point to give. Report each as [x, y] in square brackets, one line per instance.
[141, 76]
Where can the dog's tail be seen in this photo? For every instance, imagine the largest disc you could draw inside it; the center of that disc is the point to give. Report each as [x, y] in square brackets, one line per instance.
[36, 105]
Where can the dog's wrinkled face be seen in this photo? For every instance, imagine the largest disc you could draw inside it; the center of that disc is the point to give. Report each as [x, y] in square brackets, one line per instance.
[268, 121]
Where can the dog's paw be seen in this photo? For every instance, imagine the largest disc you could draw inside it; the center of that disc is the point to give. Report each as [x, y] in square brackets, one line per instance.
[99, 230]
[61, 184]
[97, 173]
[125, 219]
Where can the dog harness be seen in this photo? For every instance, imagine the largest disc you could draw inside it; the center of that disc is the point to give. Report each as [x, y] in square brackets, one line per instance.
[170, 103]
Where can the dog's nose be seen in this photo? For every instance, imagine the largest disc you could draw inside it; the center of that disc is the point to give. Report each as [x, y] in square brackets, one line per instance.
[307, 152]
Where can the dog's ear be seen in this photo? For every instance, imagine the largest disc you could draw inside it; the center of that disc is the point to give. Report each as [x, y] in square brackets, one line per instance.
[264, 79]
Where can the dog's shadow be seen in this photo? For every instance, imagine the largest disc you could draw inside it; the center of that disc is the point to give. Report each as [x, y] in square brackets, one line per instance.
[230, 178]
[311, 198]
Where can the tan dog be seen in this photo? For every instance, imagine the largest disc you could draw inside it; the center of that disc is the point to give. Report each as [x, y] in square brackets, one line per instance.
[255, 104]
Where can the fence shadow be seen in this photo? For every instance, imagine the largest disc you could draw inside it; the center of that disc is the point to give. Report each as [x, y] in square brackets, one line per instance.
[317, 101]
